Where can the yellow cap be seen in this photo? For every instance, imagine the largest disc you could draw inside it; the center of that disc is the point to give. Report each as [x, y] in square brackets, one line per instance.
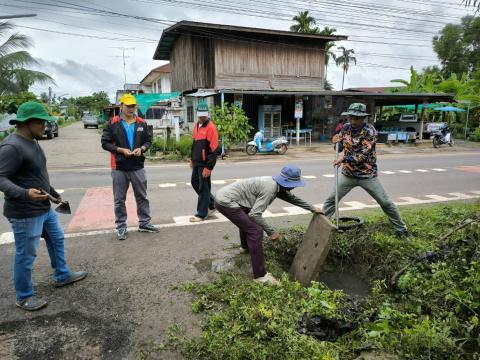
[128, 99]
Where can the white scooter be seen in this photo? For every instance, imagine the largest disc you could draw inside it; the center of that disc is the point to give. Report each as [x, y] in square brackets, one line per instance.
[261, 145]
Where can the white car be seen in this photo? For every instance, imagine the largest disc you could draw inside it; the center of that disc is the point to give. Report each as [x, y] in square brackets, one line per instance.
[89, 120]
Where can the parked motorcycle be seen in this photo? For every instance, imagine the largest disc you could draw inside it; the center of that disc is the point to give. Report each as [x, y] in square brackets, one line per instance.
[442, 136]
[261, 145]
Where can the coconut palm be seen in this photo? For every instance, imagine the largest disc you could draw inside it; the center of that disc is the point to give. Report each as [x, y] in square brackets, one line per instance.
[329, 54]
[345, 59]
[304, 23]
[14, 77]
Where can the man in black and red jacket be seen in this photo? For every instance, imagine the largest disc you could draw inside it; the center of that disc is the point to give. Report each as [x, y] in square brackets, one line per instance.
[127, 138]
[202, 162]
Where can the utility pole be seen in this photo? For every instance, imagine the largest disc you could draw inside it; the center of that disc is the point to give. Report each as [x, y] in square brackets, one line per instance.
[124, 64]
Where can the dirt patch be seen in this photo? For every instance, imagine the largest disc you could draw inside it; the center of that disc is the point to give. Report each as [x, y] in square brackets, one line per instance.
[66, 335]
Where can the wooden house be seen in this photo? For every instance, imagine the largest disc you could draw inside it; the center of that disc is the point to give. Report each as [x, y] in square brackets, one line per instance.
[275, 76]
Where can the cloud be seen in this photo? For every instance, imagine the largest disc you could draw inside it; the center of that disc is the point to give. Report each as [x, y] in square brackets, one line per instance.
[79, 79]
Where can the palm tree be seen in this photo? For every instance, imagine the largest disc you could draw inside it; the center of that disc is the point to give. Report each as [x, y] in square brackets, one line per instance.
[329, 54]
[345, 59]
[304, 23]
[14, 77]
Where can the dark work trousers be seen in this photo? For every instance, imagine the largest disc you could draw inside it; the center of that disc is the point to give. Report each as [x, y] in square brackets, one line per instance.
[251, 236]
[203, 187]
[121, 183]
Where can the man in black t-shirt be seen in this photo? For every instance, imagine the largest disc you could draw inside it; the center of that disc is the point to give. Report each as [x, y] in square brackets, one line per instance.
[24, 181]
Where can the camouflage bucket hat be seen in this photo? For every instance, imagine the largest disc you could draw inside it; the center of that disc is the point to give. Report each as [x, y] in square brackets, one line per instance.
[356, 109]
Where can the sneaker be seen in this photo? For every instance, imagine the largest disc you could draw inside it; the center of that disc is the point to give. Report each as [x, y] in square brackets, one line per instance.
[403, 235]
[148, 228]
[268, 279]
[211, 213]
[122, 234]
[195, 219]
[244, 251]
[31, 303]
[74, 277]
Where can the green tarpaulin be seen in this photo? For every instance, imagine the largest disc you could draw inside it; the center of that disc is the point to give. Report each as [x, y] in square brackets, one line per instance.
[146, 101]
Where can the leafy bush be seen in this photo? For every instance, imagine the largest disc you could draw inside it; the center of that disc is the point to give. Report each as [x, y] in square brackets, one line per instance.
[475, 136]
[231, 123]
[180, 150]
[432, 312]
[61, 121]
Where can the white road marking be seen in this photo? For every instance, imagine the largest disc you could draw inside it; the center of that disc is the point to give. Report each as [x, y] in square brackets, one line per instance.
[388, 172]
[412, 200]
[309, 176]
[218, 182]
[357, 205]
[405, 171]
[60, 191]
[294, 210]
[461, 196]
[329, 175]
[422, 170]
[437, 197]
[167, 185]
[439, 170]
[188, 184]
[7, 237]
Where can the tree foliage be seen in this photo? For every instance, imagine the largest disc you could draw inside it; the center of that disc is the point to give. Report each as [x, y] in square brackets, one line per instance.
[93, 103]
[345, 59]
[304, 23]
[10, 103]
[14, 76]
[232, 124]
[458, 47]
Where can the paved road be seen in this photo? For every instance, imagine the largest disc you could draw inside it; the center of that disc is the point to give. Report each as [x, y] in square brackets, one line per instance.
[87, 185]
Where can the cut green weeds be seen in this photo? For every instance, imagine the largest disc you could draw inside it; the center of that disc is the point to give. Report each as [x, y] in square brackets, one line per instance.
[431, 311]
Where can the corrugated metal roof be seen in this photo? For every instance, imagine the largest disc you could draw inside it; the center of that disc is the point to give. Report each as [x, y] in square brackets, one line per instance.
[163, 69]
[170, 35]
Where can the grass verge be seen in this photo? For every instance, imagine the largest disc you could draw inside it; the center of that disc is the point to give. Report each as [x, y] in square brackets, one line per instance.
[430, 312]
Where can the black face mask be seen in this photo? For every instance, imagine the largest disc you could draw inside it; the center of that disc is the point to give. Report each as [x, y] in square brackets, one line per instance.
[285, 190]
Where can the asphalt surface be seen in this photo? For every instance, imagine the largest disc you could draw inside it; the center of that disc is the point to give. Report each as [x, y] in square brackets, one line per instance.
[81, 169]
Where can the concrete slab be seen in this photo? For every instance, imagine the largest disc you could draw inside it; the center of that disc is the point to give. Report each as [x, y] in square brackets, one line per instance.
[313, 250]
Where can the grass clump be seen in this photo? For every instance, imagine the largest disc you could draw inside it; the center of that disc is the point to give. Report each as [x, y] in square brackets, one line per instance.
[431, 312]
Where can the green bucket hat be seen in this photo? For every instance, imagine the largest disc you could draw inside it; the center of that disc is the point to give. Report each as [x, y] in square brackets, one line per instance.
[31, 110]
[356, 109]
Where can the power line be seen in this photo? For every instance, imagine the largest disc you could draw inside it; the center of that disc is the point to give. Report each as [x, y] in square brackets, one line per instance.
[80, 35]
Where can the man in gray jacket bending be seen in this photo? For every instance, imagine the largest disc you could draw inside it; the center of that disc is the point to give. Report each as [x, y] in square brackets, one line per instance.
[243, 203]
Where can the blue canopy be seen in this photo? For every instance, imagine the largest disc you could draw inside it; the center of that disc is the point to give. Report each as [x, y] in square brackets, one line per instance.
[449, 108]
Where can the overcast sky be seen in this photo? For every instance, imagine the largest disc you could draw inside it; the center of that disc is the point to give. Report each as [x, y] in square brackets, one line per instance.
[81, 49]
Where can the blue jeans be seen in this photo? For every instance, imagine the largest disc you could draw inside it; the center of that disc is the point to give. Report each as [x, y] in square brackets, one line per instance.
[27, 233]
